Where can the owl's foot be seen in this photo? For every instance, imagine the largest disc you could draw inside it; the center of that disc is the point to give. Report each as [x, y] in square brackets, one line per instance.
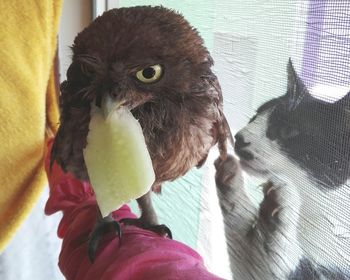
[102, 227]
[162, 230]
[148, 219]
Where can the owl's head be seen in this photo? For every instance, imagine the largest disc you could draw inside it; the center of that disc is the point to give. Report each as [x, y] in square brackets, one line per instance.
[137, 55]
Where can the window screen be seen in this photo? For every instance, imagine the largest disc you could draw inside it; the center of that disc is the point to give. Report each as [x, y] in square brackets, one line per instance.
[303, 143]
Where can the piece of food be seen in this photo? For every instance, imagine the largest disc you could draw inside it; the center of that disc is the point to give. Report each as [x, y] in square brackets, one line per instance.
[117, 159]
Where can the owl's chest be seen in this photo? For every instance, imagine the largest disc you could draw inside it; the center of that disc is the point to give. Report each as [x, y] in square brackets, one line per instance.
[178, 152]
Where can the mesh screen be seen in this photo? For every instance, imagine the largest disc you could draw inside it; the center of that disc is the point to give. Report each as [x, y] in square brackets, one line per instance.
[326, 48]
[299, 143]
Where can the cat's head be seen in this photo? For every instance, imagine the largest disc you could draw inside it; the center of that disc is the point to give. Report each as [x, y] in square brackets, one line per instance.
[298, 130]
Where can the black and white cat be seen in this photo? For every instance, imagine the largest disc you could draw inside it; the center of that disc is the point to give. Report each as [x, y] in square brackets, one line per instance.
[301, 230]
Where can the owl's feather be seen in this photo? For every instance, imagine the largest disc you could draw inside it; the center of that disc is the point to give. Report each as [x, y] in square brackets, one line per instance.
[182, 120]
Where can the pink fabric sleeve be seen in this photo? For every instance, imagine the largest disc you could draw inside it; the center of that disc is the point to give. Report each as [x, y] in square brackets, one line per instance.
[141, 255]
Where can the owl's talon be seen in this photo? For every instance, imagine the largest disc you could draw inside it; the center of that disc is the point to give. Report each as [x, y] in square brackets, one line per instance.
[102, 227]
[162, 230]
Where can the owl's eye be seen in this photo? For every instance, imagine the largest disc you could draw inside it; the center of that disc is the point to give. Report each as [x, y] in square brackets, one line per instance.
[150, 74]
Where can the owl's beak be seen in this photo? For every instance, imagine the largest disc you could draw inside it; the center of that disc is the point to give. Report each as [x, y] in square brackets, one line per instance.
[109, 105]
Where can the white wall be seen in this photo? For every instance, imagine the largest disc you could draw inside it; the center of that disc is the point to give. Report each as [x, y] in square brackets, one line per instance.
[76, 15]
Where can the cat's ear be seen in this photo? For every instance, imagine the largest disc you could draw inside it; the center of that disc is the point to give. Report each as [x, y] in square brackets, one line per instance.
[296, 90]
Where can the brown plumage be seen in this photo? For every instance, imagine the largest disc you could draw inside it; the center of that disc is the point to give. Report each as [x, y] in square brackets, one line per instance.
[180, 114]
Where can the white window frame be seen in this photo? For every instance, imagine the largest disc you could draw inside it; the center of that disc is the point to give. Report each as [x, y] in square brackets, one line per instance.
[100, 6]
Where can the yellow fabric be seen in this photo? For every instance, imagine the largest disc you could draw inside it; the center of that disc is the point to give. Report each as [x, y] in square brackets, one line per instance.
[28, 32]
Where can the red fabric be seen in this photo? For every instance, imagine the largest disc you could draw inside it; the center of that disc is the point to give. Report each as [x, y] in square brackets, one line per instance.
[142, 254]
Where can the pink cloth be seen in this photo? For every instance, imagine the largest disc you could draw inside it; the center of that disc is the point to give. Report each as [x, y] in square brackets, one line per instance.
[142, 254]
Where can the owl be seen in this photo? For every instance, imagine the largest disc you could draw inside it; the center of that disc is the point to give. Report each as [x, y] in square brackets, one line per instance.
[153, 61]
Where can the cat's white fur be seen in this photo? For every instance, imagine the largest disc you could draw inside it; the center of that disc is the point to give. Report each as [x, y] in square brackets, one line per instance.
[314, 222]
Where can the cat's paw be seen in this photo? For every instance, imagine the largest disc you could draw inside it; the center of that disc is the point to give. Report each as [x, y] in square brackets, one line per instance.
[270, 208]
[226, 172]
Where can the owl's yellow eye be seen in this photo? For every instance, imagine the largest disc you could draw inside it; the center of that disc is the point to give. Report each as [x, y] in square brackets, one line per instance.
[150, 74]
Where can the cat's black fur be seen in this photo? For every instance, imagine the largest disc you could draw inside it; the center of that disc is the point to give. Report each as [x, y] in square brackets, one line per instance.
[300, 146]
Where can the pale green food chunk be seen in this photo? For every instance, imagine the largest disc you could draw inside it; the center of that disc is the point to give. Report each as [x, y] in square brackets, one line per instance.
[117, 159]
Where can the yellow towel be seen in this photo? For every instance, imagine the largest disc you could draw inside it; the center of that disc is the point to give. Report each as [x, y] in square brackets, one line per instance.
[28, 32]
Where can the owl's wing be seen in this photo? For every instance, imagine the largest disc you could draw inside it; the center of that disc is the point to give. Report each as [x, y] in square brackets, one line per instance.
[226, 128]
[202, 161]
[221, 131]
[69, 143]
[70, 140]
[75, 99]
[221, 126]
